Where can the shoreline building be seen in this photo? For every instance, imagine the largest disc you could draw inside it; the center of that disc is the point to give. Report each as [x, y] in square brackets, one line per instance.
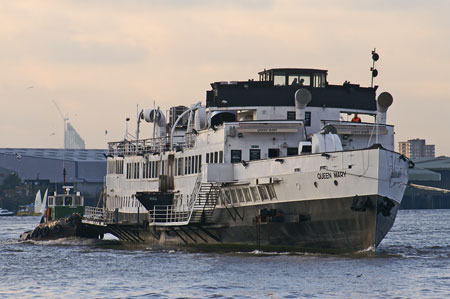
[85, 168]
[416, 148]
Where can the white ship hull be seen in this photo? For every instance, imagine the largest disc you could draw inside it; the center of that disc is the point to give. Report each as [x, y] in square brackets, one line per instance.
[340, 200]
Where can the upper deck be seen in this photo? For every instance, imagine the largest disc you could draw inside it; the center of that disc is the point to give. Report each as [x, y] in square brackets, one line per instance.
[276, 87]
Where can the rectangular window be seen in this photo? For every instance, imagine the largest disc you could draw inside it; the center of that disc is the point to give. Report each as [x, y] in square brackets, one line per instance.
[216, 157]
[274, 152]
[186, 165]
[255, 194]
[255, 154]
[263, 192]
[248, 197]
[292, 151]
[221, 157]
[156, 169]
[192, 164]
[290, 115]
[271, 192]
[236, 156]
[162, 167]
[307, 119]
[207, 158]
[227, 197]
[138, 167]
[196, 164]
[180, 166]
[240, 195]
[200, 163]
[279, 80]
[233, 196]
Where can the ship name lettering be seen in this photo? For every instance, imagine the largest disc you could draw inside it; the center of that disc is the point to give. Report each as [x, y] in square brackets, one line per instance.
[267, 130]
[340, 174]
[324, 175]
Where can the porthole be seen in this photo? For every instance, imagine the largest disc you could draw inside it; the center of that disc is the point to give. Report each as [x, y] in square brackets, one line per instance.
[336, 183]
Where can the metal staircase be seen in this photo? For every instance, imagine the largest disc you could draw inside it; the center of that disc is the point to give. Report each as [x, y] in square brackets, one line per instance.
[205, 203]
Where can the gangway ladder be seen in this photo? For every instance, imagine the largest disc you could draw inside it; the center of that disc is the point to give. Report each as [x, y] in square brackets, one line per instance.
[205, 203]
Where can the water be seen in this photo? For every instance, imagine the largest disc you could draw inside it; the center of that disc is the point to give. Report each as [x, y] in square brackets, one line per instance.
[412, 262]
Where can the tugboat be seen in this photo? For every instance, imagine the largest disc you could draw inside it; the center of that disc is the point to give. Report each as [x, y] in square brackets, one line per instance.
[274, 163]
[61, 218]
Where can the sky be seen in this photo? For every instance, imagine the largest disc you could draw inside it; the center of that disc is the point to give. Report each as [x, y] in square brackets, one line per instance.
[100, 59]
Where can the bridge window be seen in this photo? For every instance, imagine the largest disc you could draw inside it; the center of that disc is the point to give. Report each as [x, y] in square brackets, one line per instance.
[301, 80]
[319, 80]
[279, 80]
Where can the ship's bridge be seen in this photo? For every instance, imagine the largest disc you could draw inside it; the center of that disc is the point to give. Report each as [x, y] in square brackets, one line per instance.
[293, 76]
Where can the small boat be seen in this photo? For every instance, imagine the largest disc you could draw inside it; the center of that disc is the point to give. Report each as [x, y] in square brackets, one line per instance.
[61, 218]
[4, 212]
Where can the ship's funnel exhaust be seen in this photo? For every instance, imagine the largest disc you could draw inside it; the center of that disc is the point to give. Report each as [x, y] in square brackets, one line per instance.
[156, 116]
[302, 98]
[384, 101]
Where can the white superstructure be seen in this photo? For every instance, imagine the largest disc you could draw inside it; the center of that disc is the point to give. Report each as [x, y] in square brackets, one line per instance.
[231, 167]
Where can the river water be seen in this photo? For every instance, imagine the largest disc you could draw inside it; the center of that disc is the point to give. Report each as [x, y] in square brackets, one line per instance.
[412, 262]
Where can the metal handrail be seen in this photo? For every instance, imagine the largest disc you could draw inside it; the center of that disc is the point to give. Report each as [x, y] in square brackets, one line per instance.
[96, 214]
[169, 215]
[149, 145]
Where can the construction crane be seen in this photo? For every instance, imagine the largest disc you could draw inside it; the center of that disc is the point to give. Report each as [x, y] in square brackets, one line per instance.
[65, 119]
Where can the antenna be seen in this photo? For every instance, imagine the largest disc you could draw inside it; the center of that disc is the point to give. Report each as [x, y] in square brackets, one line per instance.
[65, 119]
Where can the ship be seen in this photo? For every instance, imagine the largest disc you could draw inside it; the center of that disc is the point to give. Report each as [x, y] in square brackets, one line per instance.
[279, 163]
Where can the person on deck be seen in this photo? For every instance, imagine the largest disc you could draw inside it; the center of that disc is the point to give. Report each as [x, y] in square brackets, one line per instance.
[356, 118]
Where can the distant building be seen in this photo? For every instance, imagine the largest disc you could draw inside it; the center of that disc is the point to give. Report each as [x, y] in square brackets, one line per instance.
[85, 169]
[416, 148]
[72, 140]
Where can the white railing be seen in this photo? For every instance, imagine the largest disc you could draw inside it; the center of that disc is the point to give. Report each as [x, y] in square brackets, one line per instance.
[150, 145]
[167, 215]
[100, 215]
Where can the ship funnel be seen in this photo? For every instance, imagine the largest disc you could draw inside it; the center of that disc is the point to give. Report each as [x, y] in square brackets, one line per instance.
[302, 98]
[383, 102]
[156, 116]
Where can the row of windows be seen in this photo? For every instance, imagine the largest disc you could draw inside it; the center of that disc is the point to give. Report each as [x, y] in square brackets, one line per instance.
[150, 169]
[248, 194]
[214, 157]
[192, 164]
[133, 170]
[115, 167]
[291, 115]
[255, 154]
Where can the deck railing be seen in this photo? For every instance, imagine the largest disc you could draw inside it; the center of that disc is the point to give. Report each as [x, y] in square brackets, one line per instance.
[150, 145]
[99, 215]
